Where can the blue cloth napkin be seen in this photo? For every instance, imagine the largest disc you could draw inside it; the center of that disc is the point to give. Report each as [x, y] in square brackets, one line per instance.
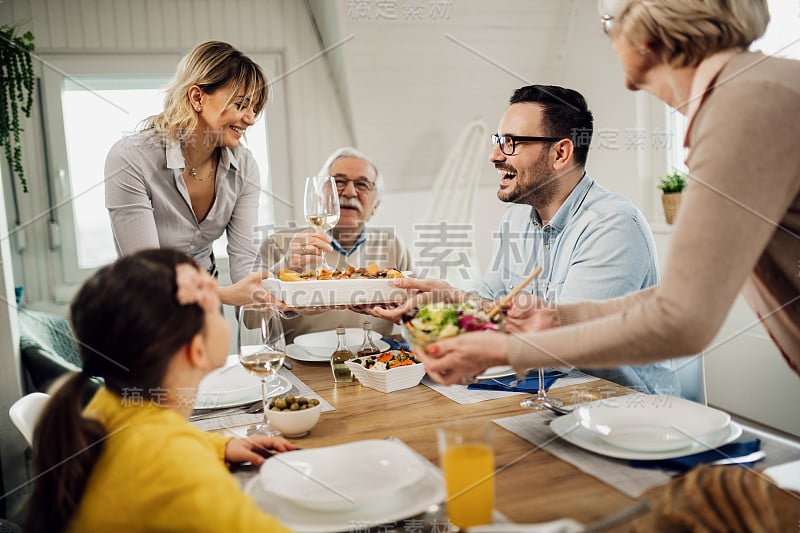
[529, 384]
[686, 463]
[396, 345]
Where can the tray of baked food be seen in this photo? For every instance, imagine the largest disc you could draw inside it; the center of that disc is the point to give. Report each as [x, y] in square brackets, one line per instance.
[325, 288]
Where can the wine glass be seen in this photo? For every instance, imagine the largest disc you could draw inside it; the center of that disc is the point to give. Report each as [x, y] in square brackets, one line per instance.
[547, 298]
[322, 206]
[262, 349]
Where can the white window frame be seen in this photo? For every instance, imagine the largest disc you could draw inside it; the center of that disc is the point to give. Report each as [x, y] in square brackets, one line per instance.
[67, 272]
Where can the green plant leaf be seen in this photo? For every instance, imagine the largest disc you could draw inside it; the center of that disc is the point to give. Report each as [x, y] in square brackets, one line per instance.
[671, 183]
[17, 82]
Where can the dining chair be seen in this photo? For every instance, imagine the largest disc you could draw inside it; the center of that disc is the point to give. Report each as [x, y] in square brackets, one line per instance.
[25, 413]
[692, 378]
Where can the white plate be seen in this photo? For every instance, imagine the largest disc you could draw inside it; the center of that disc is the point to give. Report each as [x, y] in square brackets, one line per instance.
[344, 477]
[405, 504]
[571, 431]
[334, 292]
[323, 343]
[497, 372]
[232, 385]
[650, 423]
[298, 353]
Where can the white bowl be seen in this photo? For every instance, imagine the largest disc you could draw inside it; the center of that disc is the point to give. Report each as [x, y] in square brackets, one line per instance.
[401, 377]
[294, 423]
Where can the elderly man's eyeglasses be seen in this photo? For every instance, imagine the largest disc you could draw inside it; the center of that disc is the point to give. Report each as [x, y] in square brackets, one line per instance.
[508, 143]
[362, 186]
[608, 23]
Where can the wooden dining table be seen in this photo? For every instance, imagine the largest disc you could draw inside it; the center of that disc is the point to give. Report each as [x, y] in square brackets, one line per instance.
[531, 485]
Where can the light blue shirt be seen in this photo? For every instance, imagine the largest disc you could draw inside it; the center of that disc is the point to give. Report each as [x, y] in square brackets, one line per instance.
[597, 246]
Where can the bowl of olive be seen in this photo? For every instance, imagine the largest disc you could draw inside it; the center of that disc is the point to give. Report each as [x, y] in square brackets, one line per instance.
[293, 415]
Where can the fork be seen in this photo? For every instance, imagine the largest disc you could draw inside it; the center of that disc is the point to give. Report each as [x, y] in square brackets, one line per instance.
[246, 410]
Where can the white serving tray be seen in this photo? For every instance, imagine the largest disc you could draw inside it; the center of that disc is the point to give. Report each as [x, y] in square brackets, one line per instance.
[315, 293]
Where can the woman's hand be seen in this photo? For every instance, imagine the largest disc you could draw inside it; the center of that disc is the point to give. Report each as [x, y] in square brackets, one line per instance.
[450, 361]
[418, 292]
[249, 290]
[528, 313]
[306, 250]
[255, 448]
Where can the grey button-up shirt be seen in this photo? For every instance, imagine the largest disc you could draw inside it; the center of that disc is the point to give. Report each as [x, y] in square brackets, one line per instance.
[149, 204]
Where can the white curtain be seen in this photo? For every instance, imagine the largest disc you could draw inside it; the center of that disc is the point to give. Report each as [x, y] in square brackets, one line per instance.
[449, 224]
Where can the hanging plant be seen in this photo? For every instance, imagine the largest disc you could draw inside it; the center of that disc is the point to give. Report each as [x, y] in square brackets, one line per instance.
[16, 93]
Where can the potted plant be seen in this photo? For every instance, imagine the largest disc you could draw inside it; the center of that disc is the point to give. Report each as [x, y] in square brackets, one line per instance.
[16, 93]
[671, 186]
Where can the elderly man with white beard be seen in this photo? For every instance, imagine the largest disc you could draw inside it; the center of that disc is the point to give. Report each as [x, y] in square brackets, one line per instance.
[349, 243]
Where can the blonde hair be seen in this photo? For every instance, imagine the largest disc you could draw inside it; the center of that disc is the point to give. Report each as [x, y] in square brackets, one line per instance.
[684, 32]
[210, 66]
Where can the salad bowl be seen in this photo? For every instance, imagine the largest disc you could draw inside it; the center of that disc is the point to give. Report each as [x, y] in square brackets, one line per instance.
[436, 321]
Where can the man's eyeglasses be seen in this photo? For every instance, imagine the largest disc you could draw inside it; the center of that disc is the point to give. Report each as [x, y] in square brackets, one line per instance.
[362, 186]
[608, 23]
[508, 143]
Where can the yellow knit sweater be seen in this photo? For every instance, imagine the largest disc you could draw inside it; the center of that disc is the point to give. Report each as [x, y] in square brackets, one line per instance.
[159, 473]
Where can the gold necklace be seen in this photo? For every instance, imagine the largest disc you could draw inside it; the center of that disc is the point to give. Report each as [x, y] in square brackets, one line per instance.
[193, 170]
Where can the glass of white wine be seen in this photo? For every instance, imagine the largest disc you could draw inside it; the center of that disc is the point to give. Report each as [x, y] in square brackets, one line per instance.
[262, 349]
[322, 206]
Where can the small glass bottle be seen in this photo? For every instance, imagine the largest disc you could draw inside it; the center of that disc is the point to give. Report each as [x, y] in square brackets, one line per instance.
[341, 374]
[368, 345]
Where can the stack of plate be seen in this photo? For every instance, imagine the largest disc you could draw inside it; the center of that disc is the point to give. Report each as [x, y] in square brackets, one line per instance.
[317, 347]
[328, 489]
[642, 426]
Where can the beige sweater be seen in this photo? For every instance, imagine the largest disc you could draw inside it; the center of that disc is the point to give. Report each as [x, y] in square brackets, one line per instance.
[738, 229]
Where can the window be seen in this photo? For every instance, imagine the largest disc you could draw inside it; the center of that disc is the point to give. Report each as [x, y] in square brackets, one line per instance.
[127, 91]
[782, 38]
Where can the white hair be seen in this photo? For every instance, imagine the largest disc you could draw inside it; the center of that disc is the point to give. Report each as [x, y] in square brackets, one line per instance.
[348, 151]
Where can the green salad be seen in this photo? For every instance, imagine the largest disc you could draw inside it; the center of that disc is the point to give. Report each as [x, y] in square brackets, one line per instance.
[442, 320]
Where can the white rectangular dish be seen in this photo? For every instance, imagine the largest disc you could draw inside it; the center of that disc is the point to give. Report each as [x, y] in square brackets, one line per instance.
[317, 293]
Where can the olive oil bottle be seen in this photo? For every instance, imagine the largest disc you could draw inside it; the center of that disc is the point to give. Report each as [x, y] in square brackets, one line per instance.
[368, 346]
[341, 374]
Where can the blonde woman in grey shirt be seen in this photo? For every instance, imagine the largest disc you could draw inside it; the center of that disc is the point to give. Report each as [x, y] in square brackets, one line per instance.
[185, 179]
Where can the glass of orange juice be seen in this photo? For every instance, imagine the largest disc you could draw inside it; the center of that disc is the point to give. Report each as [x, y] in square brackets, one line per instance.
[467, 460]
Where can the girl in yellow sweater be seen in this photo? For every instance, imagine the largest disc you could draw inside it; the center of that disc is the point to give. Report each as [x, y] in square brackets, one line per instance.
[150, 325]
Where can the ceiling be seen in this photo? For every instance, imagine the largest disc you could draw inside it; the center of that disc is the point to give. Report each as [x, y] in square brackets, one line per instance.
[411, 78]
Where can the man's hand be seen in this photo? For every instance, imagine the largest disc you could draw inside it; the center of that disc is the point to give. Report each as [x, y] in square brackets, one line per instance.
[418, 292]
[306, 250]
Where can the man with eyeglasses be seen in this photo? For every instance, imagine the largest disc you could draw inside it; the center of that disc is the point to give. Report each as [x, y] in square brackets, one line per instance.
[350, 243]
[591, 243]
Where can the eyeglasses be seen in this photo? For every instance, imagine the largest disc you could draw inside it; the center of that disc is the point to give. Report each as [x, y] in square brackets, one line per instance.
[508, 143]
[362, 186]
[608, 23]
